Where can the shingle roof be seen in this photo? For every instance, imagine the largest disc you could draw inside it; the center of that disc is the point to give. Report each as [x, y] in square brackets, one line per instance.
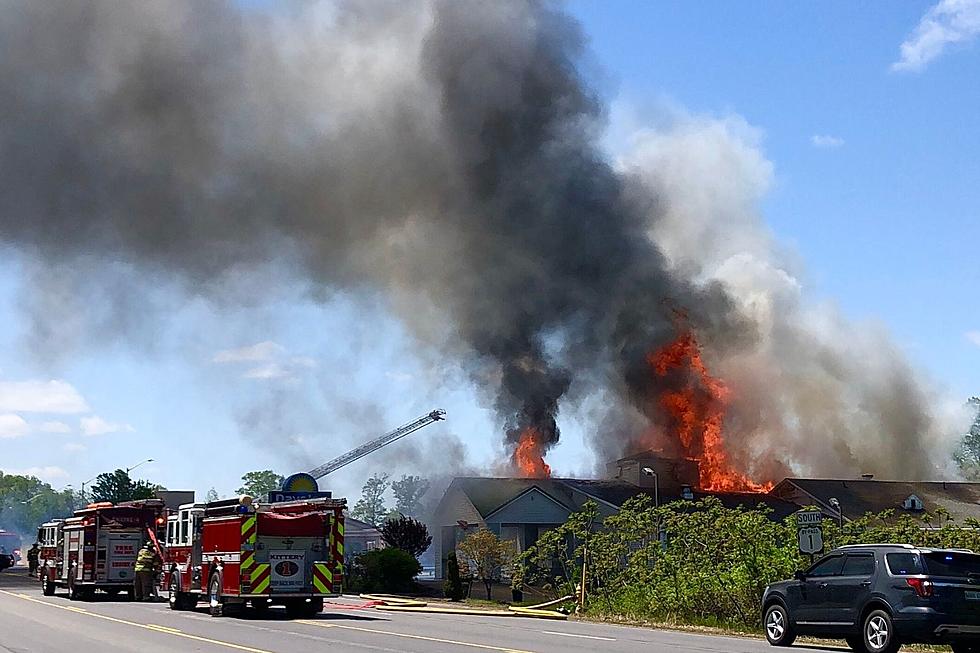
[488, 494]
[857, 497]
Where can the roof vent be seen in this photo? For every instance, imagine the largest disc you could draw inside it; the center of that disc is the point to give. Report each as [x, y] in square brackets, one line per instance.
[913, 503]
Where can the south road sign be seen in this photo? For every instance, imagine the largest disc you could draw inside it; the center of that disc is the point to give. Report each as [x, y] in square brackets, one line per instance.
[809, 535]
[809, 518]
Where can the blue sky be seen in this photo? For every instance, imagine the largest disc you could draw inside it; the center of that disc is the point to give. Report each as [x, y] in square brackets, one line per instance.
[876, 171]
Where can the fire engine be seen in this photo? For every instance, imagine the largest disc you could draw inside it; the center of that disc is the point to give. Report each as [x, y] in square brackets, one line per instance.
[96, 548]
[233, 552]
[49, 541]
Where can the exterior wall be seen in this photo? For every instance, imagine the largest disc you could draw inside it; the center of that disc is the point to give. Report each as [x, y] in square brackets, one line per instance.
[532, 507]
[445, 531]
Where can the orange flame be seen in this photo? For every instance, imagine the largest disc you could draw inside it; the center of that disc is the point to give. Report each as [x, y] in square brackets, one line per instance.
[698, 412]
[529, 454]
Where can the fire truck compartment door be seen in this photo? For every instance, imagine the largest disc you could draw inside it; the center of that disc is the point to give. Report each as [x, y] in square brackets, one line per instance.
[122, 549]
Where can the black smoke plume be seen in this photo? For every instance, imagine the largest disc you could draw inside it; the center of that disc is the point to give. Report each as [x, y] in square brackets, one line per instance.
[444, 154]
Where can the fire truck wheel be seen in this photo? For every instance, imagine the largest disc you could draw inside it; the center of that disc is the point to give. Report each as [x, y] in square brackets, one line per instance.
[179, 600]
[47, 587]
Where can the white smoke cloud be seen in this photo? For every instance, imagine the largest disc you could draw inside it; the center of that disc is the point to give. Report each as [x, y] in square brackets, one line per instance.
[948, 22]
[816, 393]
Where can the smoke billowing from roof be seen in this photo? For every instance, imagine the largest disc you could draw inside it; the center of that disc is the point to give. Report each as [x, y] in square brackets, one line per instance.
[444, 154]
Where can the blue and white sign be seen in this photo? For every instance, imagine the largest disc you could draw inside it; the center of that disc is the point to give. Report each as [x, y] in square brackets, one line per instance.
[278, 496]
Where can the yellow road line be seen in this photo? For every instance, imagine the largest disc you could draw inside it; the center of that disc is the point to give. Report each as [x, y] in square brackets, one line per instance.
[159, 629]
[406, 635]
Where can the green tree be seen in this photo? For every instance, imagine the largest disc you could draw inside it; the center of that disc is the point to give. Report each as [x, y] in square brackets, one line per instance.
[453, 587]
[409, 491]
[370, 507]
[26, 502]
[407, 534]
[968, 455]
[486, 555]
[117, 486]
[261, 482]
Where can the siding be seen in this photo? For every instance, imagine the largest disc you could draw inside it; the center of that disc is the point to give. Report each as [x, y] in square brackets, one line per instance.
[532, 507]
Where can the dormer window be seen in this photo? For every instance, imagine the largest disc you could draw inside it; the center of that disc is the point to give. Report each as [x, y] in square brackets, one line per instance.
[913, 503]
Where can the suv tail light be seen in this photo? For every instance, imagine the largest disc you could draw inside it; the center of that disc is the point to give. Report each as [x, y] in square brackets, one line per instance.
[922, 587]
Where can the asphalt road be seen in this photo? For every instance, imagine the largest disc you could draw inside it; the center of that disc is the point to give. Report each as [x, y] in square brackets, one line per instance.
[32, 623]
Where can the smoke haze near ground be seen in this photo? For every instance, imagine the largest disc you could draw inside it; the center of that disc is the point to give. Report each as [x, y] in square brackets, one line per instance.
[445, 155]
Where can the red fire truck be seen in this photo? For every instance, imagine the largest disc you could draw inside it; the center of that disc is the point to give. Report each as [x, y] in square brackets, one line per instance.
[96, 548]
[49, 542]
[232, 553]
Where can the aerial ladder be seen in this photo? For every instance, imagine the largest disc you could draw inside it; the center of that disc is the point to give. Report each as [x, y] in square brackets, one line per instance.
[377, 443]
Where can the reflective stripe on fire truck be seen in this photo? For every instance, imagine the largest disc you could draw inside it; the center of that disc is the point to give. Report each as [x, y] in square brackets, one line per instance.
[338, 554]
[261, 578]
[249, 529]
[248, 569]
[322, 577]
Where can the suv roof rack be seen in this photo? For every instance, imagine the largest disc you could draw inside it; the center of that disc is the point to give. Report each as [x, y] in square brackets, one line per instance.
[865, 546]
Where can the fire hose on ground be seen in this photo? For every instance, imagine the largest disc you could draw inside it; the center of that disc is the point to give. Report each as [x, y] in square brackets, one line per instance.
[389, 603]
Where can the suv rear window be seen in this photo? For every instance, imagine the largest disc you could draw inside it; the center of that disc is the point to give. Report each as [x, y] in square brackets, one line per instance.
[859, 565]
[903, 564]
[948, 563]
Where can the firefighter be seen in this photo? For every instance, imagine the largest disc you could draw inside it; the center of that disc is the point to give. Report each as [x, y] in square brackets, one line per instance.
[32, 557]
[146, 562]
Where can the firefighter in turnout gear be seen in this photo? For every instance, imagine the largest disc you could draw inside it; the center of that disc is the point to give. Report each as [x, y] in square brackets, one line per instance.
[32, 559]
[146, 564]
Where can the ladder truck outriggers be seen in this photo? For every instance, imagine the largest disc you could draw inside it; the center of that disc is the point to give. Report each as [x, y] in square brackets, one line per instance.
[95, 550]
[232, 553]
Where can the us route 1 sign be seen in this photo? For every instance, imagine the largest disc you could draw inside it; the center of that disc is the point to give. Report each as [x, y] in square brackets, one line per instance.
[808, 534]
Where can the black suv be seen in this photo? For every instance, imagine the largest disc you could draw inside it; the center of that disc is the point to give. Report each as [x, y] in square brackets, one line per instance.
[879, 596]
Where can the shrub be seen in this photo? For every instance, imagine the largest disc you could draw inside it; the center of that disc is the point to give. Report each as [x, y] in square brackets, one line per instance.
[385, 570]
[699, 562]
[453, 587]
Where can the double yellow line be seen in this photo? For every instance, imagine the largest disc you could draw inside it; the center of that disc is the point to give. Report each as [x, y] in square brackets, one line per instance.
[239, 647]
[159, 629]
[407, 636]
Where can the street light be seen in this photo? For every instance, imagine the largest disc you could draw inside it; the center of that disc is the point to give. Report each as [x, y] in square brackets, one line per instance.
[840, 515]
[656, 485]
[129, 469]
[82, 491]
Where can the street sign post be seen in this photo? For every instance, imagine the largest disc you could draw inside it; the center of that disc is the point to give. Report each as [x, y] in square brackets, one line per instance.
[809, 534]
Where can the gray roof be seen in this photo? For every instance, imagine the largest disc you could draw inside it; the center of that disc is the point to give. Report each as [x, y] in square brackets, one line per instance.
[488, 494]
[857, 497]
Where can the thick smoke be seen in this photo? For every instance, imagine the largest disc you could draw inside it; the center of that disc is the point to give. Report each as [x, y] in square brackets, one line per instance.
[444, 154]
